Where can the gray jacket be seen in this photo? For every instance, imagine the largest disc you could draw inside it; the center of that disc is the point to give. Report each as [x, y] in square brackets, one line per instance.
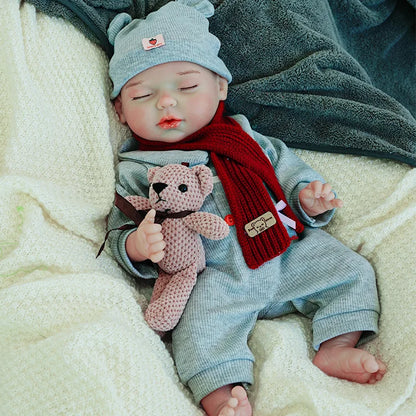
[293, 175]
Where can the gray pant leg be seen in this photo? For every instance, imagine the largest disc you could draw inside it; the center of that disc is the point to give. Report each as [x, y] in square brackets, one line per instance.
[210, 342]
[318, 276]
[331, 284]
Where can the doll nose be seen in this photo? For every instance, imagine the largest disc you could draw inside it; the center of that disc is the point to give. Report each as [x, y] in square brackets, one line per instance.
[166, 100]
[159, 187]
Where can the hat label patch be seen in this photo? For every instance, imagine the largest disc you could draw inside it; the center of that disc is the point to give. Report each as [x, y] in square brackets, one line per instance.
[153, 42]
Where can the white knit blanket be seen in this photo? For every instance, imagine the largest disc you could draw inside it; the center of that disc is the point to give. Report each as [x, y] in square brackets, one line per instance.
[72, 336]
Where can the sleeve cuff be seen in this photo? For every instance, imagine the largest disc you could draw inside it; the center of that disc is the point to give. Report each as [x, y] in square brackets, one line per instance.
[144, 270]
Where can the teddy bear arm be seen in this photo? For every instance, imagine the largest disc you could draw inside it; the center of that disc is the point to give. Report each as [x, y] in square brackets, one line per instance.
[209, 225]
[139, 202]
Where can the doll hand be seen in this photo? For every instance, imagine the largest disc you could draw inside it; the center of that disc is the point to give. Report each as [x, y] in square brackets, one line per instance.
[317, 198]
[147, 241]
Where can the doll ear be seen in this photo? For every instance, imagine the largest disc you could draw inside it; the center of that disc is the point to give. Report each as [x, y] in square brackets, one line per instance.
[118, 106]
[151, 173]
[204, 175]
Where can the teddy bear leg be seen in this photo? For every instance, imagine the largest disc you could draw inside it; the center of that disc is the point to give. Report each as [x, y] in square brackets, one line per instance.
[164, 313]
[159, 286]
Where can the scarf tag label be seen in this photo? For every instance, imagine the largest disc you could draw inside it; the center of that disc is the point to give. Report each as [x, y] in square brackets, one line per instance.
[260, 224]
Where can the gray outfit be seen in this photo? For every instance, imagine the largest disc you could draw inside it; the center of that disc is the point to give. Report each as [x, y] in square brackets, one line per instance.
[317, 276]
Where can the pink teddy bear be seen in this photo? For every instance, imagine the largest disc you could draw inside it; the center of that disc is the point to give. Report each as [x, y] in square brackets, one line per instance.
[176, 193]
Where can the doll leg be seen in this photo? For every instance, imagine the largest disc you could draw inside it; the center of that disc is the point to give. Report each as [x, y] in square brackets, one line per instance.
[164, 312]
[336, 288]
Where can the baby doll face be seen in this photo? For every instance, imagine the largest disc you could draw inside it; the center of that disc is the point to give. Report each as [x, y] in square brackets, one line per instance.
[170, 101]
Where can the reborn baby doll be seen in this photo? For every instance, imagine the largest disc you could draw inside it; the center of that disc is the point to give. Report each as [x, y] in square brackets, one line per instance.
[169, 86]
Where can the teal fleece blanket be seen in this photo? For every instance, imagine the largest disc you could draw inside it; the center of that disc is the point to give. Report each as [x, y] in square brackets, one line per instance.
[326, 75]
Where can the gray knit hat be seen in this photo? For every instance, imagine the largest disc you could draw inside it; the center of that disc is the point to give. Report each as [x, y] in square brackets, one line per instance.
[177, 31]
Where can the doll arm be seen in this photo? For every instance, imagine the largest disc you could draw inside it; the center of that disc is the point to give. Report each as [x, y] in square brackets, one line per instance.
[147, 241]
[209, 225]
[317, 198]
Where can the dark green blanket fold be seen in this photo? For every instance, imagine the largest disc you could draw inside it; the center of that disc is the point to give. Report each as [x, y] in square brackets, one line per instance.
[334, 75]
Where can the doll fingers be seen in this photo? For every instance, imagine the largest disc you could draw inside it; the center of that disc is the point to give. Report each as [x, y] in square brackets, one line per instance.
[157, 257]
[154, 238]
[325, 192]
[153, 230]
[316, 187]
[337, 203]
[156, 247]
[328, 196]
[150, 217]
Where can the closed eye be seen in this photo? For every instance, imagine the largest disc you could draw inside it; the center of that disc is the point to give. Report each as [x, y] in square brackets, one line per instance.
[191, 87]
[141, 97]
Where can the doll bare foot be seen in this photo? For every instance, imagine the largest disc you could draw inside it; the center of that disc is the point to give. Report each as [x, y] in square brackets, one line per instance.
[227, 401]
[339, 358]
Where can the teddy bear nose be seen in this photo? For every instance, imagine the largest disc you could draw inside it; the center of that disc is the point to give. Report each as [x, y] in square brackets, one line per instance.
[159, 187]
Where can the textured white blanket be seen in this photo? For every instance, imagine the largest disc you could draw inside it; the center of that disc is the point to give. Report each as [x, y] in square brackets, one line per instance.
[72, 336]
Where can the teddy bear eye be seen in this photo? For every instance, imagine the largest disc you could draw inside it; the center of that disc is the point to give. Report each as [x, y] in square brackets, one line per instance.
[183, 187]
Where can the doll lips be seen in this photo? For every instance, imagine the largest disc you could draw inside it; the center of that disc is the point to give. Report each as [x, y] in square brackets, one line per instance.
[169, 123]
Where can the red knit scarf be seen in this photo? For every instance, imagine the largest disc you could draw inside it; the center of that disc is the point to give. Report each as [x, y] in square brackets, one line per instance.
[244, 170]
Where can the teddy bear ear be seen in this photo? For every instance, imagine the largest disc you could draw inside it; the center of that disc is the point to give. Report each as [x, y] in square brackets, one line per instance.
[151, 173]
[204, 175]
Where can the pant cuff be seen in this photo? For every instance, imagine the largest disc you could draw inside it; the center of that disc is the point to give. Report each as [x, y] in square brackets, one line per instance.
[230, 372]
[332, 326]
